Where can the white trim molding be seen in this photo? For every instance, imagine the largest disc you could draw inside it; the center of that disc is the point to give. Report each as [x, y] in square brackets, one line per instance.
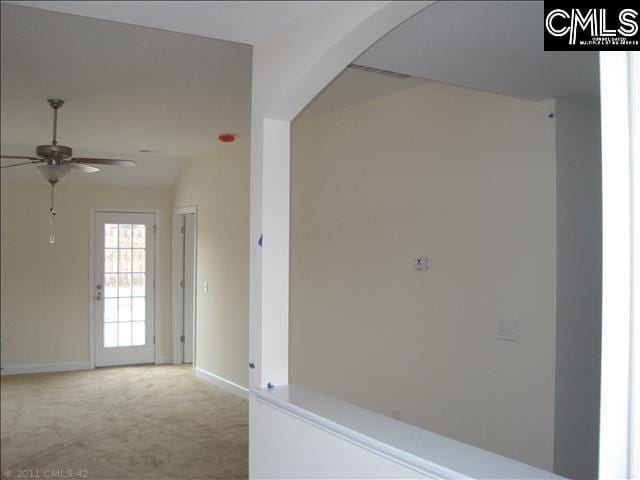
[222, 383]
[619, 98]
[45, 367]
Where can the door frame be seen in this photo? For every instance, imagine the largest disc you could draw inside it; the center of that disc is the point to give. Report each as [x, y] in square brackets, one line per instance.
[156, 277]
[176, 267]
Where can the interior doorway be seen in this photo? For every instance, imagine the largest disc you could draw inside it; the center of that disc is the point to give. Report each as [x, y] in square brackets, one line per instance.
[184, 284]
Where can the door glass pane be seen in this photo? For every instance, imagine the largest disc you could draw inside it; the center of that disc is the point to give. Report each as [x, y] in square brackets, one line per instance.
[138, 236]
[138, 284]
[138, 260]
[124, 314]
[124, 309]
[111, 235]
[110, 310]
[125, 236]
[110, 334]
[111, 260]
[138, 333]
[124, 334]
[110, 285]
[124, 285]
[137, 308]
[124, 262]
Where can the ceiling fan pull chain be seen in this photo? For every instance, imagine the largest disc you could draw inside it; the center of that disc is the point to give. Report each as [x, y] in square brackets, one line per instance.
[52, 221]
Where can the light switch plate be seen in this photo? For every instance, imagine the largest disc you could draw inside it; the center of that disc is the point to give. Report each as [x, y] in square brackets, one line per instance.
[508, 330]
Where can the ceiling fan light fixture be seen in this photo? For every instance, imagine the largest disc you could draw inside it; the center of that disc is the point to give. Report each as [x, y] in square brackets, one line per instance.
[55, 161]
[53, 173]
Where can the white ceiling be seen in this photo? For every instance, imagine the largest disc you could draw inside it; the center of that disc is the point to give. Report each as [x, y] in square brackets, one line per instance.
[126, 88]
[234, 21]
[491, 46]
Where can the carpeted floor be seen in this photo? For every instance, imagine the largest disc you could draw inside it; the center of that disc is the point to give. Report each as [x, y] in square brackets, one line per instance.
[148, 422]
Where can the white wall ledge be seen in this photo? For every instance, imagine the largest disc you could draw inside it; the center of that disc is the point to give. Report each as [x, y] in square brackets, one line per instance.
[426, 452]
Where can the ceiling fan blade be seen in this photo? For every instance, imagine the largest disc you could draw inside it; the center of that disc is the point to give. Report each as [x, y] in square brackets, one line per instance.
[22, 163]
[18, 157]
[81, 167]
[105, 161]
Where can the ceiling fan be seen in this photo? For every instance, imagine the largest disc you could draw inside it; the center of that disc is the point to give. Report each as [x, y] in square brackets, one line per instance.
[55, 161]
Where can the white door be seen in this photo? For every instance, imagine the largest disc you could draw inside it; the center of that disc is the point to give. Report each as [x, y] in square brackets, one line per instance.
[124, 288]
[189, 284]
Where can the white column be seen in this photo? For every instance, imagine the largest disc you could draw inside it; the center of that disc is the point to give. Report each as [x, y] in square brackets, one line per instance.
[275, 253]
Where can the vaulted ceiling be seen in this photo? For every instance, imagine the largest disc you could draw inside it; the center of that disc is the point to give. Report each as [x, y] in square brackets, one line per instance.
[170, 76]
[127, 88]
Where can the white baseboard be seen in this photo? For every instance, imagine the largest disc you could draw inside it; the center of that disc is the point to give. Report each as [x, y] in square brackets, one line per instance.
[164, 359]
[223, 383]
[45, 367]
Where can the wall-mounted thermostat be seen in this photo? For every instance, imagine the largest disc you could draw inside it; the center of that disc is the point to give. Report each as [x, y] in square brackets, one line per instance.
[421, 263]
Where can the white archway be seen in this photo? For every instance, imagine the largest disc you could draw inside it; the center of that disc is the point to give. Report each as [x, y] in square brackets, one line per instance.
[289, 69]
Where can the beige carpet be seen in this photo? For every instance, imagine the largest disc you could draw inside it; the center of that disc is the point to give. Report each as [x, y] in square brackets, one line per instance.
[122, 423]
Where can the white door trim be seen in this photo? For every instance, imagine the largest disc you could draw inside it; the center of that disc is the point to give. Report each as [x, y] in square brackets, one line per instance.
[176, 267]
[157, 317]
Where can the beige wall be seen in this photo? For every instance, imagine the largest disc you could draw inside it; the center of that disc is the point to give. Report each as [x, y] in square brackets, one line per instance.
[462, 177]
[45, 288]
[218, 184]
